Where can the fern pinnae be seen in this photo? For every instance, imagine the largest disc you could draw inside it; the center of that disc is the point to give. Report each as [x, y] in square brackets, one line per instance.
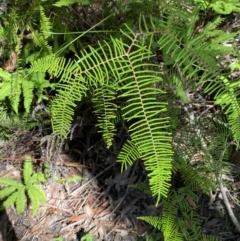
[20, 201]
[5, 192]
[128, 154]
[10, 200]
[27, 170]
[9, 182]
[36, 195]
[105, 110]
[45, 22]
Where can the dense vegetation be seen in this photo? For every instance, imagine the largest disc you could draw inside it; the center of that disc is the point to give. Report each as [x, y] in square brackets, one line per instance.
[165, 71]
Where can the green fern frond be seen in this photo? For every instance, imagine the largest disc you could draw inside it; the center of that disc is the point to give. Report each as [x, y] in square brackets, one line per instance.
[116, 62]
[205, 237]
[7, 191]
[226, 95]
[193, 177]
[36, 195]
[105, 110]
[27, 87]
[129, 153]
[39, 40]
[62, 3]
[9, 182]
[45, 22]
[10, 200]
[154, 221]
[5, 75]
[27, 170]
[52, 64]
[21, 199]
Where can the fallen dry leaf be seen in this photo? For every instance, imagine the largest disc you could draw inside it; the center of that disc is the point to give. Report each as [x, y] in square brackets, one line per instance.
[10, 65]
[191, 202]
[77, 217]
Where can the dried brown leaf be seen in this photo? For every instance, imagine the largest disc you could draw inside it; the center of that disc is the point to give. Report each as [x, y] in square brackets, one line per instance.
[77, 217]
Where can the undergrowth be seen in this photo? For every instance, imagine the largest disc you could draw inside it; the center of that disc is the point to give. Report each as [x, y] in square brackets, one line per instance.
[115, 69]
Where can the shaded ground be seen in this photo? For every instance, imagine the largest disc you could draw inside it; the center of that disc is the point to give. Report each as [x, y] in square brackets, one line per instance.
[103, 203]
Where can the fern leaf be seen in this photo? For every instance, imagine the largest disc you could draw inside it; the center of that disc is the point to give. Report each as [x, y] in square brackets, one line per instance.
[27, 170]
[39, 40]
[9, 182]
[27, 90]
[45, 22]
[154, 221]
[36, 195]
[62, 3]
[38, 177]
[52, 64]
[148, 130]
[5, 192]
[143, 187]
[5, 75]
[129, 153]
[62, 108]
[227, 96]
[21, 199]
[105, 110]
[5, 90]
[10, 200]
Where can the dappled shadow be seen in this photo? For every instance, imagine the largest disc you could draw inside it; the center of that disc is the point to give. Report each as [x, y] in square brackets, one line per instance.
[7, 232]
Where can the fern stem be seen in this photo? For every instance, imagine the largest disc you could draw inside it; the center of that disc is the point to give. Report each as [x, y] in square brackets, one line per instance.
[229, 209]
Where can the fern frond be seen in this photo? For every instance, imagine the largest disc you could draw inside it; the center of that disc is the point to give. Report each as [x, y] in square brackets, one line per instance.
[21, 199]
[5, 192]
[10, 200]
[27, 88]
[39, 40]
[36, 194]
[62, 3]
[128, 66]
[154, 221]
[5, 75]
[27, 170]
[105, 110]
[45, 23]
[9, 182]
[129, 153]
[226, 95]
[5, 89]
[52, 64]
[149, 130]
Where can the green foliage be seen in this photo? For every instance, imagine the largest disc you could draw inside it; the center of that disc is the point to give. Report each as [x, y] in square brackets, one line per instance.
[87, 237]
[15, 192]
[121, 69]
[110, 71]
[221, 7]
[68, 2]
[179, 220]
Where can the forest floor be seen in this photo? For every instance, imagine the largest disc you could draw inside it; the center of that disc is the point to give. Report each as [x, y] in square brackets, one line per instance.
[103, 204]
